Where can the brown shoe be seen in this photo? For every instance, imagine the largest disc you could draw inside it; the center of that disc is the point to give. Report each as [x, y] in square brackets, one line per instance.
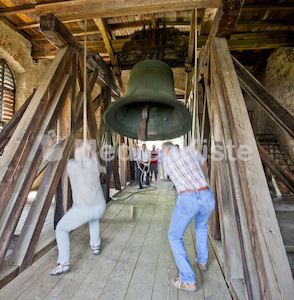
[201, 267]
[177, 283]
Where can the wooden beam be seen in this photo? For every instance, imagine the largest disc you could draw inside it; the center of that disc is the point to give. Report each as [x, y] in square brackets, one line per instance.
[9, 128]
[153, 21]
[116, 8]
[226, 18]
[275, 168]
[260, 94]
[270, 259]
[237, 42]
[23, 182]
[103, 30]
[24, 9]
[26, 244]
[28, 125]
[32, 8]
[59, 36]
[207, 20]
[191, 45]
[224, 24]
[132, 25]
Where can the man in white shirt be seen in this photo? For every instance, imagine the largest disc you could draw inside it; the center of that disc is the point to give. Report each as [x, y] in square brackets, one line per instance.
[143, 160]
[135, 151]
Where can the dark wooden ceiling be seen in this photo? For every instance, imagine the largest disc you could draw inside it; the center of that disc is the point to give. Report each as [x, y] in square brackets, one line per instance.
[262, 27]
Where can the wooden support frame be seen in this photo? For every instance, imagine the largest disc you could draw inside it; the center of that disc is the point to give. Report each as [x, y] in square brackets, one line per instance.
[269, 255]
[15, 154]
[58, 35]
[23, 254]
[259, 93]
[25, 179]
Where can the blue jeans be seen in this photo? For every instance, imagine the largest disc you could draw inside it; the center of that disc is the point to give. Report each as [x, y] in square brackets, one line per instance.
[189, 205]
[74, 218]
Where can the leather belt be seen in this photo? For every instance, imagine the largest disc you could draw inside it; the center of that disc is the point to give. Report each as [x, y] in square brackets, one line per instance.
[195, 191]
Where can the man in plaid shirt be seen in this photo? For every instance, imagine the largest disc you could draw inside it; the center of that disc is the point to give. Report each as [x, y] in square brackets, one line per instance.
[195, 200]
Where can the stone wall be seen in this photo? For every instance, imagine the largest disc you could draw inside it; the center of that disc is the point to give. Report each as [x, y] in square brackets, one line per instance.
[278, 79]
[16, 50]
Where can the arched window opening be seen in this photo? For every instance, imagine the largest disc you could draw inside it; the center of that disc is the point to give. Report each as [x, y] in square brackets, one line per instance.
[7, 94]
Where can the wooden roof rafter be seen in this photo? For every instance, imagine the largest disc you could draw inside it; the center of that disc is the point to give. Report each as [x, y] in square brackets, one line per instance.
[101, 24]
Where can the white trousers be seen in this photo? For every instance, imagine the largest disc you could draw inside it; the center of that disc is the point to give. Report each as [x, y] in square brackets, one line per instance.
[74, 218]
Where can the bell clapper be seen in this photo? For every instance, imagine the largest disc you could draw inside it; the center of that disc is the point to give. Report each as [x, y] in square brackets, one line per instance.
[142, 133]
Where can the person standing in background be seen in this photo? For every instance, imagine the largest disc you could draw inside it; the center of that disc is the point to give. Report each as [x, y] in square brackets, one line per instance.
[154, 163]
[160, 163]
[135, 150]
[143, 159]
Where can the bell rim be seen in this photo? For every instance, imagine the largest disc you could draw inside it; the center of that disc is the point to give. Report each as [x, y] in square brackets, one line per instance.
[130, 99]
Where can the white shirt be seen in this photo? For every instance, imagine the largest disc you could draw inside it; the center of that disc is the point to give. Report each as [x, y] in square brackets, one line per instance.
[135, 154]
[143, 155]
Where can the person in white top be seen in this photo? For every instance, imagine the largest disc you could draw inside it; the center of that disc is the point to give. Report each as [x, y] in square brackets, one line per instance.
[135, 150]
[88, 205]
[143, 160]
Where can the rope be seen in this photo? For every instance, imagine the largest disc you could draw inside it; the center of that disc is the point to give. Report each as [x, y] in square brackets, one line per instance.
[85, 87]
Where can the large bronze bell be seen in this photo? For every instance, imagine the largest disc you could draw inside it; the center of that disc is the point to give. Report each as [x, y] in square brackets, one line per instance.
[150, 95]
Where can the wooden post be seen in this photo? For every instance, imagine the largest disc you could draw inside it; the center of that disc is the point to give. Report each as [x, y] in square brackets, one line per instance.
[269, 256]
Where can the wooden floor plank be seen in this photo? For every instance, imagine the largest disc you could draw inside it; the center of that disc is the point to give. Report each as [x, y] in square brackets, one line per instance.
[136, 260]
[30, 278]
[118, 281]
[166, 266]
[141, 284]
[219, 289]
[68, 285]
[80, 247]
[98, 277]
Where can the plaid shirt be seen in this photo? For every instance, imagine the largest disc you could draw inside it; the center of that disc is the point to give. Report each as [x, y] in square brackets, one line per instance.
[183, 167]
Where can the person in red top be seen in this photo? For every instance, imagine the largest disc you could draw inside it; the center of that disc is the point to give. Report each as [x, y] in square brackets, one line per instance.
[154, 163]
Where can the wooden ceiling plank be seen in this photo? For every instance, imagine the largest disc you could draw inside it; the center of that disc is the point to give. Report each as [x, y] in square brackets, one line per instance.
[267, 23]
[263, 7]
